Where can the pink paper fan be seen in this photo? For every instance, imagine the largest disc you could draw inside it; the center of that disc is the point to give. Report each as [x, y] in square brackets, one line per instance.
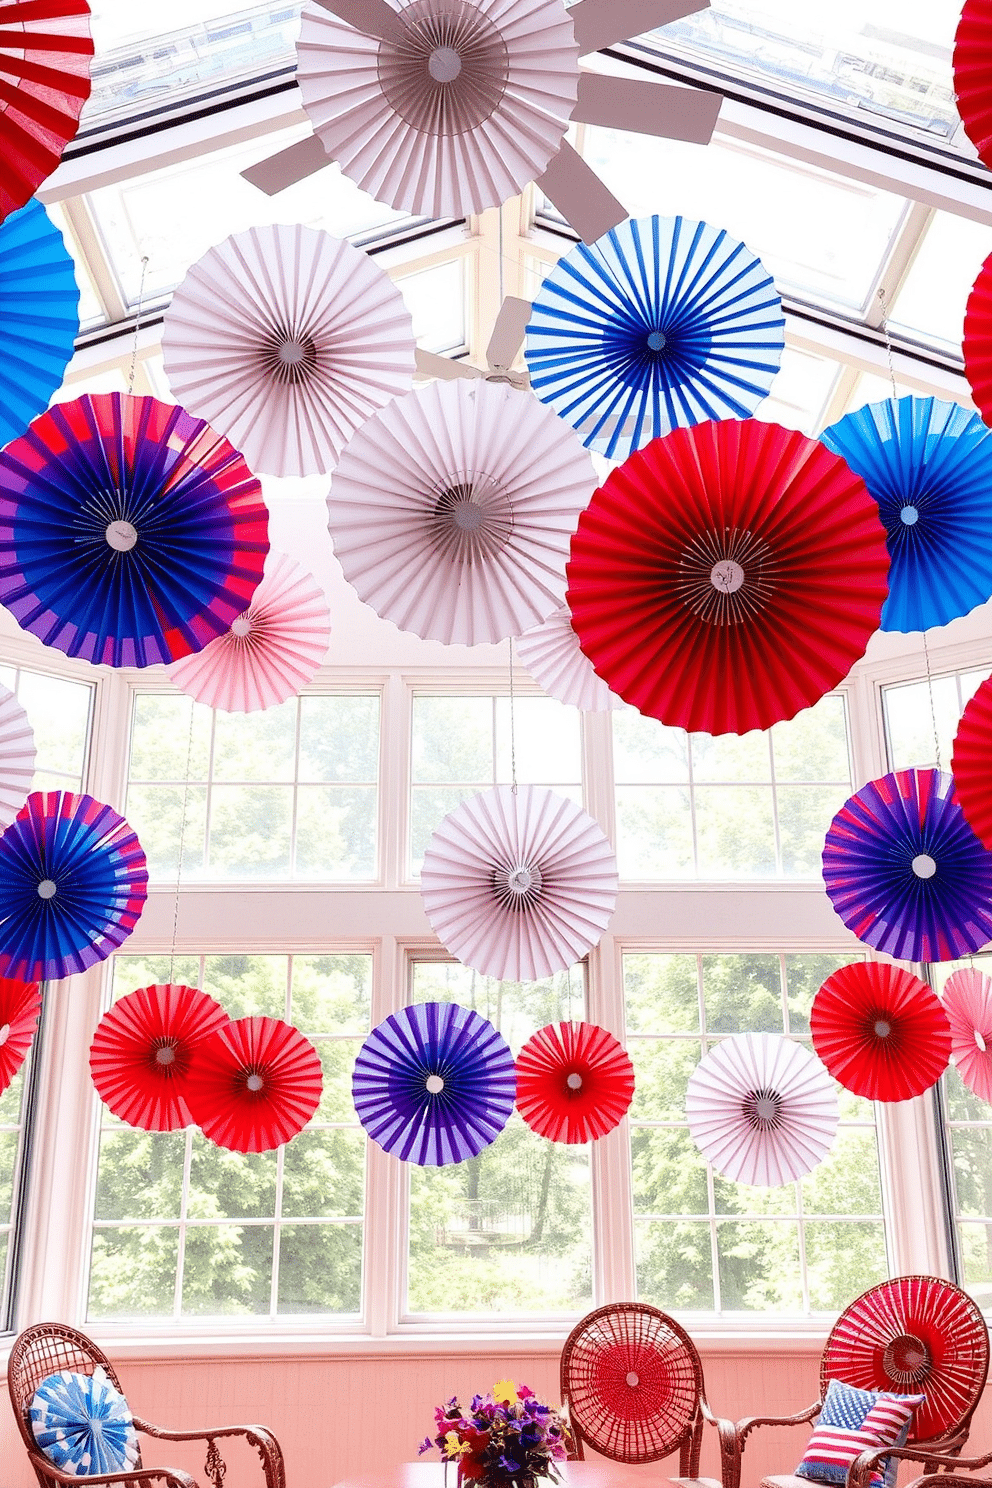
[272, 650]
[552, 655]
[967, 999]
[20, 1008]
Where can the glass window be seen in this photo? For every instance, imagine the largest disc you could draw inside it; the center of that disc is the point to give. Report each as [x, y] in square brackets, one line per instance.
[509, 1231]
[13, 1141]
[921, 718]
[288, 793]
[183, 1228]
[436, 300]
[930, 305]
[706, 1244]
[59, 713]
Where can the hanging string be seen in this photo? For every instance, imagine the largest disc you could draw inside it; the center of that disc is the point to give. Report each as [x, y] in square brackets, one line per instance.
[137, 326]
[933, 708]
[182, 840]
[513, 728]
[888, 343]
[500, 255]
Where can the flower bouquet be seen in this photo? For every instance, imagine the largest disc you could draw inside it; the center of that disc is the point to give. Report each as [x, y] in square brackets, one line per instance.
[507, 1437]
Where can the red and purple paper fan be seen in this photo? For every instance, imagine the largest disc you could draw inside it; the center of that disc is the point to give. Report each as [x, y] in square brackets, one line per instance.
[73, 883]
[130, 532]
[972, 62]
[141, 1053]
[20, 1008]
[254, 1084]
[967, 1002]
[575, 1082]
[971, 763]
[880, 1031]
[906, 873]
[752, 565]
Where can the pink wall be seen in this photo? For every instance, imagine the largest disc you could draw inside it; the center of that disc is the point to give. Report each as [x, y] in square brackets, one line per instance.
[336, 1416]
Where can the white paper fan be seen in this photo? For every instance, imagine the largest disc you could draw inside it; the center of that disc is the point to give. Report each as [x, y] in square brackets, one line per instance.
[761, 1109]
[17, 755]
[552, 655]
[286, 339]
[269, 652]
[518, 885]
[453, 508]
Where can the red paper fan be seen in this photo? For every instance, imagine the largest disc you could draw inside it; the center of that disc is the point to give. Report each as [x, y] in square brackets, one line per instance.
[880, 1031]
[254, 1084]
[977, 344]
[972, 67]
[971, 763]
[574, 1082]
[752, 565]
[20, 1007]
[140, 1055]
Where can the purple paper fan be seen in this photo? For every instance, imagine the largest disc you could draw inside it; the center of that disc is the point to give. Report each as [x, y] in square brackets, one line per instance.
[905, 871]
[434, 1084]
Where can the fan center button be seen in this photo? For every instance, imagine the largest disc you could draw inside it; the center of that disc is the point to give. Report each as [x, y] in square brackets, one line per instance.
[47, 889]
[924, 866]
[444, 64]
[727, 576]
[434, 1084]
[633, 1379]
[121, 536]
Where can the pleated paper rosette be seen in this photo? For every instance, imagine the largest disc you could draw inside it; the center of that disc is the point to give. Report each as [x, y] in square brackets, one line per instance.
[141, 1053]
[971, 763]
[554, 658]
[17, 757]
[752, 568]
[761, 1109]
[45, 55]
[130, 532]
[575, 1082]
[928, 464]
[976, 346]
[972, 61]
[880, 1031]
[906, 873]
[39, 309]
[660, 324]
[452, 510]
[434, 1084]
[270, 652]
[73, 884]
[967, 1001]
[286, 339]
[254, 1083]
[20, 1008]
[518, 884]
[456, 109]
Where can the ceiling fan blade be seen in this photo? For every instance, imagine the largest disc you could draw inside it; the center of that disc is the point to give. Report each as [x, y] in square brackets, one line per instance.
[373, 17]
[647, 107]
[602, 23]
[294, 164]
[580, 196]
[446, 369]
[508, 332]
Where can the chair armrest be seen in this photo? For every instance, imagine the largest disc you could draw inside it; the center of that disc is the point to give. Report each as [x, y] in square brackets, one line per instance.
[734, 1435]
[172, 1477]
[860, 1471]
[258, 1437]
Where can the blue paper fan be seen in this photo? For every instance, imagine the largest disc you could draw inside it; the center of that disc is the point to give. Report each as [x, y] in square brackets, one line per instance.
[39, 316]
[434, 1084]
[83, 1425]
[928, 464]
[662, 323]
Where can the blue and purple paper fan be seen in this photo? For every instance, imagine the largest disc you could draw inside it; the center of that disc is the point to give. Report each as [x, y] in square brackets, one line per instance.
[434, 1084]
[928, 464]
[39, 316]
[906, 873]
[73, 883]
[662, 323]
[130, 532]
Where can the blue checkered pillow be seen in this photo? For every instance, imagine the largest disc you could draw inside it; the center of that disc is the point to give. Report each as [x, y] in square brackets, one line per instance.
[853, 1421]
[83, 1424]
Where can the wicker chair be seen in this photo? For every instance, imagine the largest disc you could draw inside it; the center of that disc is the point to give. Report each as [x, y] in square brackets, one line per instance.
[912, 1334]
[49, 1348]
[632, 1386]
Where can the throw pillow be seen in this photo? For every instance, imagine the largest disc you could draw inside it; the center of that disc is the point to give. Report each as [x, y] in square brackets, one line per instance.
[83, 1424]
[853, 1421]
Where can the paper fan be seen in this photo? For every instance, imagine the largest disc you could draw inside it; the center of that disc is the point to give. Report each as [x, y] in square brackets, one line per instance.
[434, 1084]
[967, 1000]
[73, 883]
[451, 511]
[575, 1082]
[286, 340]
[141, 1052]
[130, 533]
[39, 308]
[976, 347]
[761, 1109]
[929, 467]
[554, 658]
[254, 1084]
[972, 61]
[45, 51]
[971, 763]
[880, 1031]
[906, 873]
[727, 576]
[518, 884]
[661, 324]
[20, 1008]
[453, 111]
[270, 651]
[17, 757]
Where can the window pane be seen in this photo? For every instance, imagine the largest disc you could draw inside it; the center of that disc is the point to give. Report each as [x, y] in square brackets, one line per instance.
[255, 746]
[339, 739]
[654, 832]
[133, 1272]
[228, 1270]
[320, 1268]
[452, 739]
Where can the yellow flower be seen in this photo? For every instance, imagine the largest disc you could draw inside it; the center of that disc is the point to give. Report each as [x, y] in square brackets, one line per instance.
[504, 1392]
[453, 1446]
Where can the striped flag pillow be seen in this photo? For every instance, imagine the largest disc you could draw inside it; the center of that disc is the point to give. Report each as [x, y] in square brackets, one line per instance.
[853, 1421]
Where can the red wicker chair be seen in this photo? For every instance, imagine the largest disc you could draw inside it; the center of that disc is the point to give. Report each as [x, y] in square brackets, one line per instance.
[632, 1385]
[49, 1348]
[912, 1334]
